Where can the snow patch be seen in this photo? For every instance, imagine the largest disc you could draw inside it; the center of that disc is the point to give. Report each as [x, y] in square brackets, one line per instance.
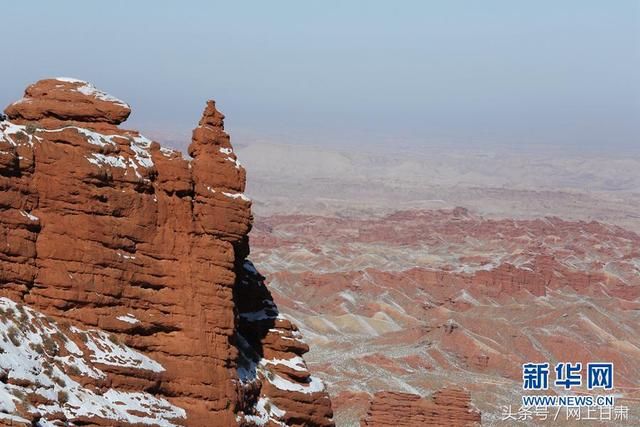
[28, 215]
[88, 89]
[107, 352]
[228, 152]
[93, 137]
[263, 416]
[29, 347]
[125, 256]
[168, 152]
[69, 80]
[296, 363]
[138, 144]
[113, 161]
[237, 196]
[9, 132]
[128, 318]
[314, 385]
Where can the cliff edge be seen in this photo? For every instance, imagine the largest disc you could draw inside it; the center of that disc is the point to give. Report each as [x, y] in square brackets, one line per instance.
[125, 280]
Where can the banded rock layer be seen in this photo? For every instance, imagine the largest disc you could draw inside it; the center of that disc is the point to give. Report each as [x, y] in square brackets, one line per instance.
[449, 407]
[104, 230]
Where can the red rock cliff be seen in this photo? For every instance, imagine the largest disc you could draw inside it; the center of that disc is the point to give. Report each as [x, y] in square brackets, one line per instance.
[106, 230]
[449, 407]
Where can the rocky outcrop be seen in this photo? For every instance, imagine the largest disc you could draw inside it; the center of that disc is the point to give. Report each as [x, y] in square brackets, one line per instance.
[270, 352]
[103, 229]
[68, 99]
[49, 370]
[449, 407]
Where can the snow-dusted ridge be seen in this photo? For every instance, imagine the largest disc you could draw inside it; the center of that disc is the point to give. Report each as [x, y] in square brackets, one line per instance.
[88, 89]
[40, 358]
[139, 144]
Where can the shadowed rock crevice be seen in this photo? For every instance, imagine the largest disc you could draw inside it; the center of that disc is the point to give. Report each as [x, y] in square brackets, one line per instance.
[271, 370]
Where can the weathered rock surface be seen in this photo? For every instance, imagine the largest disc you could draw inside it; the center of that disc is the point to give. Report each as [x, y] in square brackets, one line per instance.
[104, 229]
[449, 407]
[49, 371]
[68, 99]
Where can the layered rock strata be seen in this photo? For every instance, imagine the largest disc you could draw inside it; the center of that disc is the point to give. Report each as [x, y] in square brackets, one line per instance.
[449, 407]
[103, 229]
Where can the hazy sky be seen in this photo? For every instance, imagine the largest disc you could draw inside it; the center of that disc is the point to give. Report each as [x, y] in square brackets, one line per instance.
[347, 71]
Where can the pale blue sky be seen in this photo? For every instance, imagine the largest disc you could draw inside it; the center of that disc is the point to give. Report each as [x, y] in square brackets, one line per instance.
[548, 71]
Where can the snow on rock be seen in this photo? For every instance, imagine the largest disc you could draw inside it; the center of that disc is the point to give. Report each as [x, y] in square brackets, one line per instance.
[287, 334]
[237, 196]
[139, 145]
[93, 137]
[7, 402]
[296, 363]
[109, 352]
[28, 215]
[169, 152]
[113, 161]
[43, 363]
[314, 385]
[67, 99]
[12, 420]
[88, 89]
[230, 156]
[69, 80]
[17, 135]
[128, 318]
[81, 164]
[266, 411]
[276, 378]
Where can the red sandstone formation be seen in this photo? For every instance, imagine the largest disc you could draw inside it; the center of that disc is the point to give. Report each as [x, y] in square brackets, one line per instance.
[449, 407]
[68, 99]
[104, 230]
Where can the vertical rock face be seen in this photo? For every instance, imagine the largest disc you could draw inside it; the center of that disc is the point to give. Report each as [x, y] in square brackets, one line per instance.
[448, 407]
[105, 230]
